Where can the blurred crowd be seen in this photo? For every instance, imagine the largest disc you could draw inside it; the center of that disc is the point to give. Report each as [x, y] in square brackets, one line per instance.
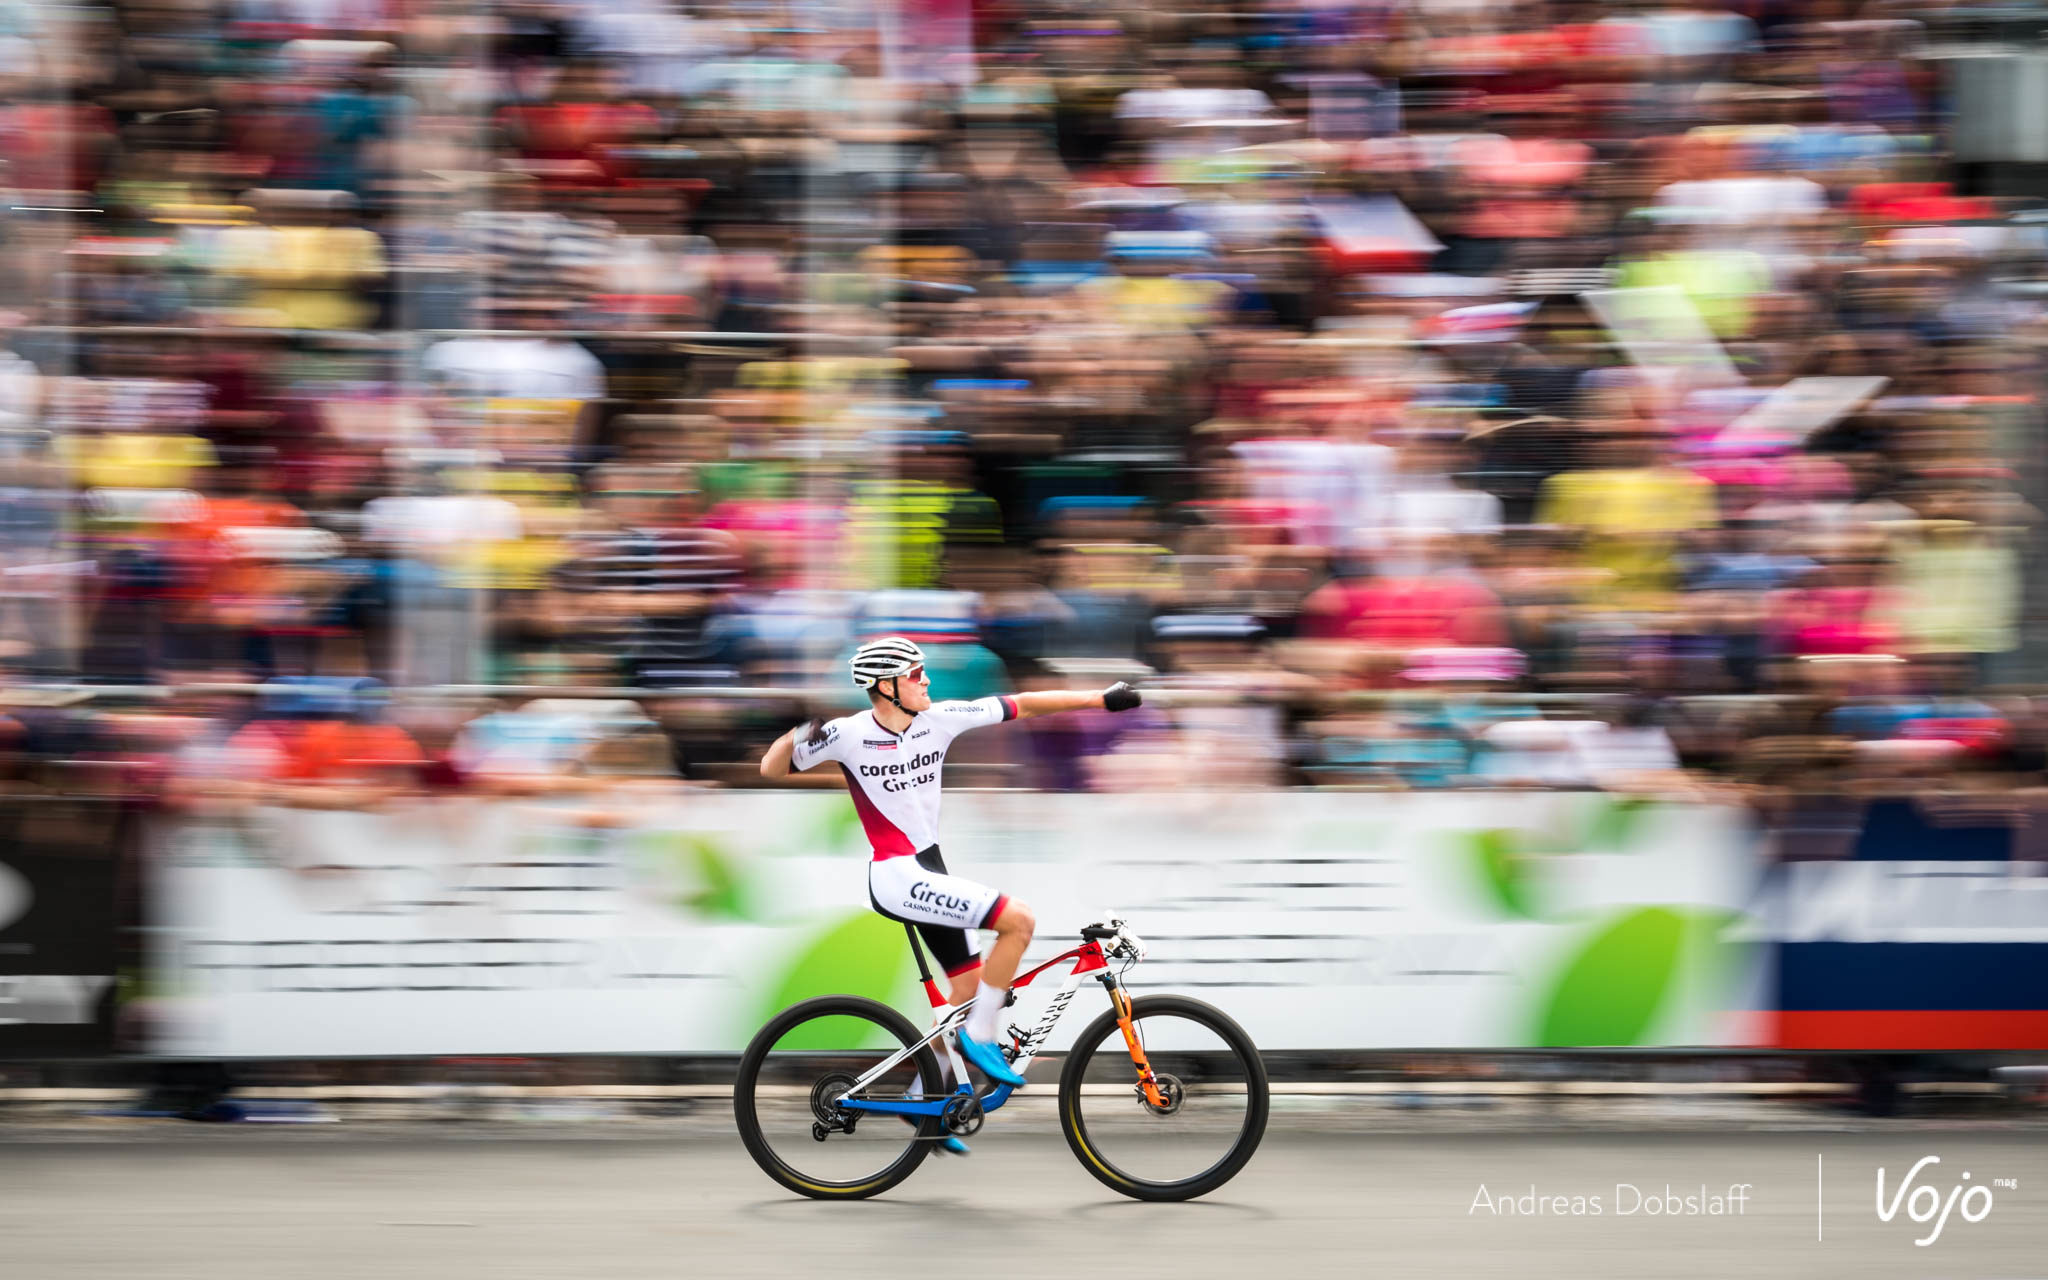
[399, 396]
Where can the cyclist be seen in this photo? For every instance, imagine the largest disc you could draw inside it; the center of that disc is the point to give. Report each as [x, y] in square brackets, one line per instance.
[891, 755]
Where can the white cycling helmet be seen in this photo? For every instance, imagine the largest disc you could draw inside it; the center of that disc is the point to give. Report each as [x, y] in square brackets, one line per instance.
[884, 659]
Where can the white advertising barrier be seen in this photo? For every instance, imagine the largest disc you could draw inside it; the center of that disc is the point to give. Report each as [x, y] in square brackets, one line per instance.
[1320, 920]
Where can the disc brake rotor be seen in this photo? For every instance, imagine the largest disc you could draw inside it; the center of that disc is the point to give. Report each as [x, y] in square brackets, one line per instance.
[1170, 1088]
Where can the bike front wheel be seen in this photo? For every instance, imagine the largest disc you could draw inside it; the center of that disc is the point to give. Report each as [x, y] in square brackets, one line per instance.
[1209, 1117]
[806, 1057]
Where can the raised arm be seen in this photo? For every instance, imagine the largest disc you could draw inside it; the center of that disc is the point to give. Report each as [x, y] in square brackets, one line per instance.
[775, 764]
[1118, 697]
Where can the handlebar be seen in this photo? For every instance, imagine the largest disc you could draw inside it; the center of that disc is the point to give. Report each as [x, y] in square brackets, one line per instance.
[1122, 942]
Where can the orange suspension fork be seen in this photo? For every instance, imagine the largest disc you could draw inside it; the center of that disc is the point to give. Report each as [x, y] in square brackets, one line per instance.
[1146, 1080]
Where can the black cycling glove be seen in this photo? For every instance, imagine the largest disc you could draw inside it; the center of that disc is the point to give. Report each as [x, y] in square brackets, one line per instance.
[1120, 697]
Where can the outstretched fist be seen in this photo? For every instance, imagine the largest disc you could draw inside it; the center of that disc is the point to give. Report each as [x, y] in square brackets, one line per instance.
[1120, 697]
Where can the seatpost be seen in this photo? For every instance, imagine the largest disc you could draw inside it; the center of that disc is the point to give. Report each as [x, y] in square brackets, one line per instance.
[924, 971]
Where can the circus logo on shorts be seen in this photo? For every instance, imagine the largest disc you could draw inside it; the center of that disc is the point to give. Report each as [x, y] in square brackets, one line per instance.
[924, 895]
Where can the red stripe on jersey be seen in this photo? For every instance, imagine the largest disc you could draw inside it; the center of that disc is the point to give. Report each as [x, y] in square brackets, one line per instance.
[882, 833]
[1009, 707]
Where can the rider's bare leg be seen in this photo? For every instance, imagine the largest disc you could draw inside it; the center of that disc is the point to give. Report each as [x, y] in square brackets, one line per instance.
[1013, 934]
[999, 968]
[963, 986]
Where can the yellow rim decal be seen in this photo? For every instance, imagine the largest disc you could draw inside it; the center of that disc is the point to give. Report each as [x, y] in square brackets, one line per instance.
[1081, 1145]
[831, 1191]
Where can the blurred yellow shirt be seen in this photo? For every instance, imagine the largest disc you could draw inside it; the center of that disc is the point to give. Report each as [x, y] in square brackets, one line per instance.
[1161, 302]
[509, 564]
[1722, 284]
[1631, 517]
[1126, 567]
[307, 277]
[134, 461]
[1957, 593]
[547, 506]
[530, 491]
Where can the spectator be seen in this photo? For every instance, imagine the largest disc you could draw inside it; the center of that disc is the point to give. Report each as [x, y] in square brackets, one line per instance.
[326, 745]
[309, 265]
[642, 584]
[1302, 324]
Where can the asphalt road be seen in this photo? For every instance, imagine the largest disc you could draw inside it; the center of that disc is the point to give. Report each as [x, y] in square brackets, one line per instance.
[1326, 1196]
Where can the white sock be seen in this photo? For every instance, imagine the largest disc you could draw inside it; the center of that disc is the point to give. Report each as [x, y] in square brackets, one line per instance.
[988, 1006]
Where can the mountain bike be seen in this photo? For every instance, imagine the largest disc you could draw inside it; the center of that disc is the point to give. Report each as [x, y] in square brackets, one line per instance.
[1160, 1098]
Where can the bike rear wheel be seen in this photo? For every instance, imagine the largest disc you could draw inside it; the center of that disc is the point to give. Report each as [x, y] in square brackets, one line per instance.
[809, 1054]
[1214, 1088]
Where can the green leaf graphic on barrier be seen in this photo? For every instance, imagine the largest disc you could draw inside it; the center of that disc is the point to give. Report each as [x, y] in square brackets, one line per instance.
[1617, 824]
[723, 892]
[863, 955]
[698, 873]
[1504, 869]
[1612, 991]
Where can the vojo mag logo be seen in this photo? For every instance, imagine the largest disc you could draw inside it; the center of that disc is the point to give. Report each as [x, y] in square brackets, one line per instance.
[1924, 1203]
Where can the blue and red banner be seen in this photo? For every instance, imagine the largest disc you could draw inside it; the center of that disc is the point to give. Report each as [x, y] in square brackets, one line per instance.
[1930, 934]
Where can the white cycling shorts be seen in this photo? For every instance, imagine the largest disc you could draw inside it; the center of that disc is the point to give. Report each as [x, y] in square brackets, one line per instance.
[917, 890]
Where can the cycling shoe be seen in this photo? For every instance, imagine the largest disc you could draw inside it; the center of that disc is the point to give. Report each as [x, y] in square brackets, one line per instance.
[988, 1059]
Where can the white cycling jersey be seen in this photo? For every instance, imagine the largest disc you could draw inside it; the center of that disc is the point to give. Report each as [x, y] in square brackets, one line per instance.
[894, 777]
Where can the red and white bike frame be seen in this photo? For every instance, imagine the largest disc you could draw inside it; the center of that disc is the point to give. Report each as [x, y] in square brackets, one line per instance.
[1090, 958]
